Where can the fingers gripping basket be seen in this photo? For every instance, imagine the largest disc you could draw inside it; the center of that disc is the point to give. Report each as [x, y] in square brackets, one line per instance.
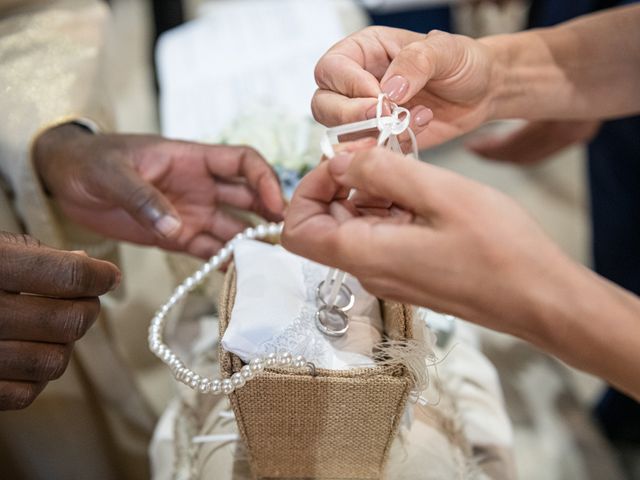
[334, 425]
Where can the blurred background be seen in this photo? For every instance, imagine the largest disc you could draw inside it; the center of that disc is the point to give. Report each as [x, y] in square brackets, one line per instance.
[241, 71]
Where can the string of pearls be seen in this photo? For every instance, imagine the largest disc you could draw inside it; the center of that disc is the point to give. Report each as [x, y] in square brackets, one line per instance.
[187, 376]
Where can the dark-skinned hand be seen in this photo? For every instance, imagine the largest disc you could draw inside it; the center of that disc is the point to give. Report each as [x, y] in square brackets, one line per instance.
[48, 300]
[153, 191]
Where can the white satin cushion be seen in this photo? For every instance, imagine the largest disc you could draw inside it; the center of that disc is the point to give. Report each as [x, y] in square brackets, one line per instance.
[275, 306]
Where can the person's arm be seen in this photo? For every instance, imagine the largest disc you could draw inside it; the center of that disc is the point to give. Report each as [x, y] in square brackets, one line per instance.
[459, 247]
[592, 324]
[588, 68]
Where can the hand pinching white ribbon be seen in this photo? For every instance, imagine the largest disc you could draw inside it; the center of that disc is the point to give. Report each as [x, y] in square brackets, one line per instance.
[388, 126]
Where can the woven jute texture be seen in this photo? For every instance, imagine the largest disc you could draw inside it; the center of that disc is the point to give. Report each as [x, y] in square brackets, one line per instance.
[336, 425]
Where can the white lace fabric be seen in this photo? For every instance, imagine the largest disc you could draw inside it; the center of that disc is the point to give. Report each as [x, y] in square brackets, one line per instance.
[275, 306]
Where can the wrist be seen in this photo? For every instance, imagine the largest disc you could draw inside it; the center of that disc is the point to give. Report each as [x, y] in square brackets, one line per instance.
[507, 91]
[592, 324]
[552, 303]
[498, 54]
[564, 307]
[522, 77]
[54, 146]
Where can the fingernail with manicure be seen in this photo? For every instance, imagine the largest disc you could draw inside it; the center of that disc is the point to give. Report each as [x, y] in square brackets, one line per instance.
[423, 116]
[167, 225]
[340, 163]
[396, 88]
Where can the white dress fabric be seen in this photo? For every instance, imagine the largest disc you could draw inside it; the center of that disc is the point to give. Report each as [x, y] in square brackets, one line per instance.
[275, 309]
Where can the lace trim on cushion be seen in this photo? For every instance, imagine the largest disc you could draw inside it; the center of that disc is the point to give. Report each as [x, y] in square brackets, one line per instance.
[302, 337]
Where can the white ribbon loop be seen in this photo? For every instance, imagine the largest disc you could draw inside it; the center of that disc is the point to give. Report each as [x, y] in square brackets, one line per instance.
[389, 126]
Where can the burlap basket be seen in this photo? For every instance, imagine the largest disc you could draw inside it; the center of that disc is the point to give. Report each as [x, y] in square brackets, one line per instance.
[334, 425]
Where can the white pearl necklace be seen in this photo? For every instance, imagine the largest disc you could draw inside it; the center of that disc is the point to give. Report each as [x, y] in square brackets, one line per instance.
[187, 376]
